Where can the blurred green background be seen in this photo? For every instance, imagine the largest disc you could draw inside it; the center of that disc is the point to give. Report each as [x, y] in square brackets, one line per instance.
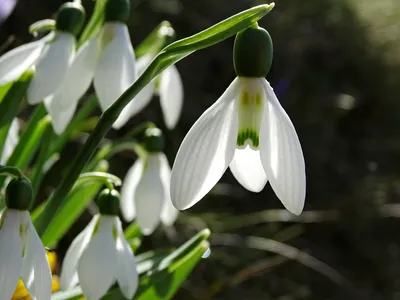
[336, 71]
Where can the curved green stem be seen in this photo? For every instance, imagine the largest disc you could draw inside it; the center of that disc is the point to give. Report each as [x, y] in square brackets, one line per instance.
[108, 179]
[11, 171]
[170, 55]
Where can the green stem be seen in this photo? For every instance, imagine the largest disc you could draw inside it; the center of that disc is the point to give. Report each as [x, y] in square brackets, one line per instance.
[168, 56]
[11, 171]
[108, 179]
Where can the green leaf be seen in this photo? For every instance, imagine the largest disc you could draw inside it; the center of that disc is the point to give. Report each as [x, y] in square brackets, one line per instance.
[3, 136]
[4, 89]
[76, 202]
[95, 22]
[9, 106]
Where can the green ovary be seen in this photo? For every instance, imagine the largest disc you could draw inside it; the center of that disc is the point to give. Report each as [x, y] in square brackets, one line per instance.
[250, 107]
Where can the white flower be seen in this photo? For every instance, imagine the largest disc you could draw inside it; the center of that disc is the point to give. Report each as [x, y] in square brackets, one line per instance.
[50, 55]
[169, 88]
[248, 130]
[145, 193]
[107, 59]
[11, 141]
[22, 254]
[97, 257]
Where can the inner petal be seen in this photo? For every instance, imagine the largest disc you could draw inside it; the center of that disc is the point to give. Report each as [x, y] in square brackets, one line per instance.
[249, 105]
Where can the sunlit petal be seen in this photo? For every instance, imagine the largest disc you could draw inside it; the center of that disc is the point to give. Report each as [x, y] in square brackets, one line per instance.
[115, 71]
[11, 141]
[206, 152]
[128, 190]
[281, 155]
[18, 60]
[247, 168]
[171, 96]
[149, 196]
[35, 272]
[97, 266]
[69, 276]
[127, 275]
[169, 213]
[62, 104]
[51, 67]
[10, 253]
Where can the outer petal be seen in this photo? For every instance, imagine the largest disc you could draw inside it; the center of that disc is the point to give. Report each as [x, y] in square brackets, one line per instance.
[97, 267]
[36, 273]
[62, 105]
[10, 253]
[169, 213]
[281, 154]
[115, 71]
[127, 275]
[51, 68]
[18, 60]
[206, 151]
[247, 168]
[171, 96]
[128, 190]
[69, 276]
[11, 141]
[150, 196]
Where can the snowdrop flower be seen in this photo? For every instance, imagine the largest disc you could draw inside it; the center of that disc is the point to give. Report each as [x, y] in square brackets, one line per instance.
[107, 59]
[145, 189]
[100, 254]
[10, 142]
[246, 129]
[50, 55]
[168, 85]
[21, 250]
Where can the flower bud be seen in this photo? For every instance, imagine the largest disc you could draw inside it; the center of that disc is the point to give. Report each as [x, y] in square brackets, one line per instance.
[154, 140]
[70, 18]
[117, 11]
[252, 52]
[108, 202]
[19, 194]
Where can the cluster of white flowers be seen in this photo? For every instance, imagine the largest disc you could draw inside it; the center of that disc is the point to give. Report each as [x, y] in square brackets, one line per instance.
[246, 129]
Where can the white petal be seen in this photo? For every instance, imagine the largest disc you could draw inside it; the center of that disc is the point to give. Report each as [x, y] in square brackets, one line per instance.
[169, 213]
[135, 106]
[206, 151]
[11, 141]
[18, 60]
[97, 266]
[115, 71]
[69, 275]
[281, 154]
[171, 96]
[10, 253]
[128, 189]
[150, 196]
[247, 168]
[62, 104]
[127, 275]
[51, 67]
[36, 273]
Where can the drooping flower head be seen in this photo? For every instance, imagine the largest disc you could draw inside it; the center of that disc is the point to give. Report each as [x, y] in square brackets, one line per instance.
[50, 56]
[145, 190]
[246, 129]
[107, 59]
[100, 254]
[21, 251]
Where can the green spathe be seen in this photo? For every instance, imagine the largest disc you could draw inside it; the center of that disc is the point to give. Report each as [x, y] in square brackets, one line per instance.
[70, 18]
[252, 52]
[19, 194]
[117, 11]
[108, 202]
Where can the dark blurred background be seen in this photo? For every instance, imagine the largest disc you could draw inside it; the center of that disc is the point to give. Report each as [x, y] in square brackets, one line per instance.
[336, 71]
